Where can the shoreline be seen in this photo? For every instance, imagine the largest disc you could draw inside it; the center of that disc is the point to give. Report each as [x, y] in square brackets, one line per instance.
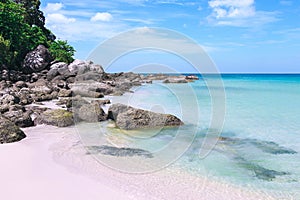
[55, 163]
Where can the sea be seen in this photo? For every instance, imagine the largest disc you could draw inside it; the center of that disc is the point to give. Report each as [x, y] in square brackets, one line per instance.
[243, 129]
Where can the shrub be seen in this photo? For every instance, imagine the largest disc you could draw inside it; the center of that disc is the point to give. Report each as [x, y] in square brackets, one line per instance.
[62, 51]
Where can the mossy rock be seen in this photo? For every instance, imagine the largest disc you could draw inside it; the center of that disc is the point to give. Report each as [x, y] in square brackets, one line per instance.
[9, 132]
[58, 117]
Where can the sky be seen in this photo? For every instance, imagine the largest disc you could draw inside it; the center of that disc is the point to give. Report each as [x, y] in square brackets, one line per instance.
[240, 36]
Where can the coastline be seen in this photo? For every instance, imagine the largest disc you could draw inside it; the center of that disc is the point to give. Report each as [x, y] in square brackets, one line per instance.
[51, 163]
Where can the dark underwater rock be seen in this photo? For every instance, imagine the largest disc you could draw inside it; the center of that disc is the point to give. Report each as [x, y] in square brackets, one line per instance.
[271, 147]
[265, 146]
[259, 171]
[119, 152]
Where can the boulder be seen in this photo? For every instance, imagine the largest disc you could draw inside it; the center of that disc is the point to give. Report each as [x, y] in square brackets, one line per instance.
[65, 93]
[41, 86]
[24, 96]
[9, 99]
[37, 60]
[87, 93]
[58, 117]
[59, 65]
[127, 117]
[9, 132]
[4, 108]
[89, 76]
[52, 73]
[96, 68]
[19, 118]
[76, 102]
[101, 101]
[91, 89]
[91, 113]
[79, 66]
[21, 84]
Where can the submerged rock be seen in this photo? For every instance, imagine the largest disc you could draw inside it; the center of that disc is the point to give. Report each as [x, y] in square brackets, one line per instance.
[259, 171]
[58, 117]
[119, 152]
[127, 117]
[265, 146]
[271, 147]
[9, 132]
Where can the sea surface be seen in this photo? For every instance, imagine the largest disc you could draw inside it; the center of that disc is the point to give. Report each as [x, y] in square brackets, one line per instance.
[258, 147]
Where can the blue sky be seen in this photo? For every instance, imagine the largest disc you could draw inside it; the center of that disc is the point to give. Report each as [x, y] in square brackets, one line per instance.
[239, 35]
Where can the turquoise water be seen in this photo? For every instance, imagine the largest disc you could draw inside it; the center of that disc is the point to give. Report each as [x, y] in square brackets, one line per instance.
[259, 145]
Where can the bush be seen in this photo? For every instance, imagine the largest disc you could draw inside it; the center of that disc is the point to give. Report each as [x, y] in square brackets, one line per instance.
[62, 51]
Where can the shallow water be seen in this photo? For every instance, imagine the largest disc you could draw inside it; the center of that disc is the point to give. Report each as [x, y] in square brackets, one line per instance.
[259, 144]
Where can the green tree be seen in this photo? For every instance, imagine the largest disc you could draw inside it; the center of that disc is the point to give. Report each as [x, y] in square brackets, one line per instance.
[62, 51]
[34, 17]
[13, 28]
[6, 55]
[22, 29]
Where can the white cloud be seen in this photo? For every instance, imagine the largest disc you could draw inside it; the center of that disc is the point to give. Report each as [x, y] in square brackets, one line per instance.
[58, 18]
[232, 8]
[105, 17]
[52, 7]
[240, 13]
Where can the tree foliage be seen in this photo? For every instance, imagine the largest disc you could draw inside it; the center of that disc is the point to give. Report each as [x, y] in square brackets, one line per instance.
[22, 28]
[61, 51]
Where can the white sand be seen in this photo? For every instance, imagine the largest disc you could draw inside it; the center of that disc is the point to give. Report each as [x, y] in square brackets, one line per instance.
[52, 164]
[28, 171]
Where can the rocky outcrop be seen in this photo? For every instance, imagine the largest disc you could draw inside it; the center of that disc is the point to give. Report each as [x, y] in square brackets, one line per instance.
[127, 117]
[9, 132]
[58, 117]
[175, 80]
[37, 60]
[192, 77]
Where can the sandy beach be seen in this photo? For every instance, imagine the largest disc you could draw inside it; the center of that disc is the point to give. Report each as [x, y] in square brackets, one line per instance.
[51, 163]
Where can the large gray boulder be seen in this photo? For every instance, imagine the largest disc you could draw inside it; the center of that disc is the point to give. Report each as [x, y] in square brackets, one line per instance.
[128, 118]
[92, 113]
[37, 60]
[9, 132]
[58, 117]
